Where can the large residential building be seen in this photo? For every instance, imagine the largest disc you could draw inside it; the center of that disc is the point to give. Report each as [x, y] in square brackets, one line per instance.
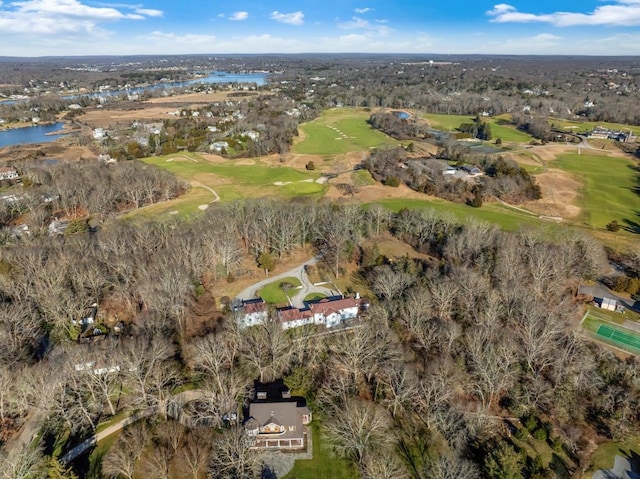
[328, 312]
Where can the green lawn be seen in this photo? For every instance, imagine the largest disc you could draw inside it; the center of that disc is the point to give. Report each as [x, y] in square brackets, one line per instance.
[314, 296]
[340, 130]
[324, 464]
[587, 126]
[96, 455]
[604, 456]
[506, 218]
[362, 178]
[500, 126]
[274, 294]
[230, 181]
[608, 187]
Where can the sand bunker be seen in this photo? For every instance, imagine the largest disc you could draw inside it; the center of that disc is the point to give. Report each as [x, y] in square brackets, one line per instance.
[203, 207]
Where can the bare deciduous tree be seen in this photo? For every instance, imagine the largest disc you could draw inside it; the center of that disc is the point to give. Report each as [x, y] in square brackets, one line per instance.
[359, 428]
[233, 457]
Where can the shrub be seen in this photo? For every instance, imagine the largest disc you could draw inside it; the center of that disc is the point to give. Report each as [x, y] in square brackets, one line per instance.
[530, 423]
[613, 226]
[310, 166]
[540, 434]
[392, 181]
[498, 141]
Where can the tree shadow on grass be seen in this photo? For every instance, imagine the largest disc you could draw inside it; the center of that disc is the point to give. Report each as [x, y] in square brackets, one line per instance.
[636, 188]
[631, 225]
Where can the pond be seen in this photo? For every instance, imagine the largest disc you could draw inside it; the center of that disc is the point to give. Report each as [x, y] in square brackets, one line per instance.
[30, 134]
[403, 115]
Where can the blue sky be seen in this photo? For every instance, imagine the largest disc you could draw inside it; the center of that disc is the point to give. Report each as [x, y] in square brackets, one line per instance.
[84, 27]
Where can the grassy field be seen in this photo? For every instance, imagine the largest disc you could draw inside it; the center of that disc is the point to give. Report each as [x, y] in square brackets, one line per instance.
[324, 464]
[506, 218]
[608, 188]
[274, 294]
[604, 456]
[500, 126]
[340, 130]
[230, 181]
[587, 126]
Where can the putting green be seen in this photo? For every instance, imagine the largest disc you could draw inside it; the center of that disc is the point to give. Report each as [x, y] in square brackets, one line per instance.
[340, 130]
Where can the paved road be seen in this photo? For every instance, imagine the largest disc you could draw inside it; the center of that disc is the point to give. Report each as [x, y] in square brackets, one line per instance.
[599, 290]
[297, 272]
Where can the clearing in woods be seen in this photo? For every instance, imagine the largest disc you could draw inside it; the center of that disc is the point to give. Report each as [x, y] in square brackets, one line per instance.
[501, 126]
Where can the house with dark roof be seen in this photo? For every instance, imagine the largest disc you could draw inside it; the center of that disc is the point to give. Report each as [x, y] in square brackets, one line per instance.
[275, 419]
[278, 425]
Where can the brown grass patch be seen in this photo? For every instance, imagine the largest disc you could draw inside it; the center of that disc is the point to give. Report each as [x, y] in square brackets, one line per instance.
[559, 191]
[213, 158]
[394, 248]
[188, 98]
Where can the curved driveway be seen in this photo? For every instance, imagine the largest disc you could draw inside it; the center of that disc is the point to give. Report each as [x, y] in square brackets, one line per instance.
[297, 272]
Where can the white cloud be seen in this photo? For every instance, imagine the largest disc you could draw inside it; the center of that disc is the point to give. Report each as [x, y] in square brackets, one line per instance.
[357, 23]
[238, 16]
[295, 18]
[50, 17]
[362, 10]
[149, 12]
[619, 13]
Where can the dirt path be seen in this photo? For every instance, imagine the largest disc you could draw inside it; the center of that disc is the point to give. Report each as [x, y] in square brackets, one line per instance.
[216, 196]
[27, 433]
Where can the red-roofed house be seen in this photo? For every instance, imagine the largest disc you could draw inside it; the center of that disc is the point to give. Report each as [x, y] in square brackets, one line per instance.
[332, 313]
[328, 312]
[294, 318]
[252, 313]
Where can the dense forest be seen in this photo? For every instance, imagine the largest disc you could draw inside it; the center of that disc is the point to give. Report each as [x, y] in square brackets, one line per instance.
[503, 179]
[456, 351]
[469, 362]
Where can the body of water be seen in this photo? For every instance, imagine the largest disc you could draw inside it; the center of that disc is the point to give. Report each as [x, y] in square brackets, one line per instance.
[30, 134]
[403, 115]
[213, 77]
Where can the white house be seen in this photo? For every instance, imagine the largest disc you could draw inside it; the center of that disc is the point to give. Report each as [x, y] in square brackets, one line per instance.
[98, 133]
[328, 312]
[8, 173]
[218, 146]
[252, 312]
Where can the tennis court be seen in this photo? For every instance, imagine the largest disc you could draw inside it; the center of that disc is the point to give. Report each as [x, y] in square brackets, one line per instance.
[626, 340]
